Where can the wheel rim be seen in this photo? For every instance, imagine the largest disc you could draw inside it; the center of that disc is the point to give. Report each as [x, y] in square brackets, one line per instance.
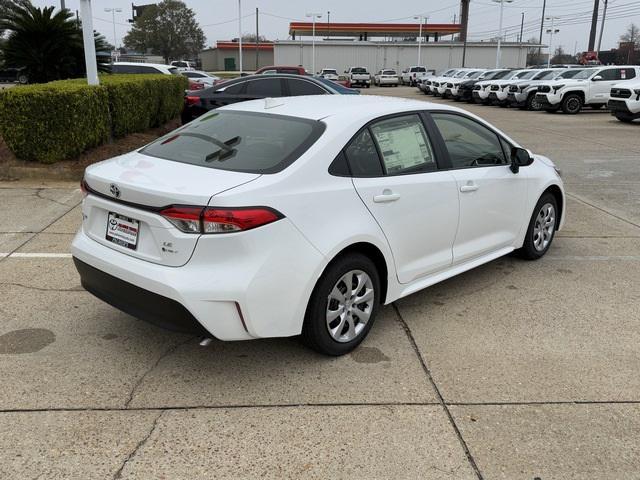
[573, 104]
[349, 306]
[544, 227]
[534, 104]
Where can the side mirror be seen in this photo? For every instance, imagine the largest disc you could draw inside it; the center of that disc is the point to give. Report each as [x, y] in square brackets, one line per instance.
[597, 78]
[520, 158]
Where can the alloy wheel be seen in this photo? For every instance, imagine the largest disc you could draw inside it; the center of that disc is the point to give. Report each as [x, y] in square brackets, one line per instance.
[544, 227]
[349, 306]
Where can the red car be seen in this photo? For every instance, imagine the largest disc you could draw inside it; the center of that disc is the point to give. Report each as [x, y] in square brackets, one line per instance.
[282, 69]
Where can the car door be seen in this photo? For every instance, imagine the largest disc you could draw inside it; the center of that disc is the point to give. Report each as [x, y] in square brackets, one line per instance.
[395, 172]
[600, 89]
[492, 198]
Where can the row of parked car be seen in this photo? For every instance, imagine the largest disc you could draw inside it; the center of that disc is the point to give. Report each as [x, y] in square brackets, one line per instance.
[568, 89]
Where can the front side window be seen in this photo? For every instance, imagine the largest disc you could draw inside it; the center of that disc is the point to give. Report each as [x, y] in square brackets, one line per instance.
[269, 87]
[248, 142]
[469, 143]
[404, 145]
[302, 87]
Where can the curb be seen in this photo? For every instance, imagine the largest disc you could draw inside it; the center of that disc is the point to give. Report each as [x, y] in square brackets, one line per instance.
[48, 172]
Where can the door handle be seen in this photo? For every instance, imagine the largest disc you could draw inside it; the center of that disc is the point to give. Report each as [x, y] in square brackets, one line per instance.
[386, 197]
[471, 187]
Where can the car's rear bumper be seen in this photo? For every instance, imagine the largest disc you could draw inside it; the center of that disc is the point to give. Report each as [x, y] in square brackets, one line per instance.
[137, 302]
[236, 286]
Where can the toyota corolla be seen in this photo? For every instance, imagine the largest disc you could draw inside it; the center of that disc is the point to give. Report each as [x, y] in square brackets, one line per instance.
[302, 216]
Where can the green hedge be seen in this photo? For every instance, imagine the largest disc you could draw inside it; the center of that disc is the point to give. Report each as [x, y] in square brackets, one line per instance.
[59, 120]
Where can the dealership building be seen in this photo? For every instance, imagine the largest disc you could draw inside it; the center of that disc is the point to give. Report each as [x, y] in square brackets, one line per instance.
[370, 45]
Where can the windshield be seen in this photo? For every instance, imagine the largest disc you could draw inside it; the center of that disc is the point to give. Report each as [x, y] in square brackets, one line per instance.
[248, 142]
[526, 75]
[475, 74]
[548, 76]
[497, 75]
[545, 74]
[570, 73]
[358, 70]
[337, 87]
[585, 74]
[460, 74]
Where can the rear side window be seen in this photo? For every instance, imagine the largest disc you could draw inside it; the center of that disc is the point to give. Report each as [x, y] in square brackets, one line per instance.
[239, 141]
[363, 156]
[469, 143]
[268, 87]
[302, 87]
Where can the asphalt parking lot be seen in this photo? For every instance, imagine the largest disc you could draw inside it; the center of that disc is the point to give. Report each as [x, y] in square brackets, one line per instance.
[515, 370]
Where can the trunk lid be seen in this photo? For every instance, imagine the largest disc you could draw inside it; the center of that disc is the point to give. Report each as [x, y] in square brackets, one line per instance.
[134, 187]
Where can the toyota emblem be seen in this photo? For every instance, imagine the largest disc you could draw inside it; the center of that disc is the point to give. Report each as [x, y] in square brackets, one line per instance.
[115, 191]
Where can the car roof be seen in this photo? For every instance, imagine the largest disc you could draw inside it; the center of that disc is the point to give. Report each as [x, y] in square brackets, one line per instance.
[347, 107]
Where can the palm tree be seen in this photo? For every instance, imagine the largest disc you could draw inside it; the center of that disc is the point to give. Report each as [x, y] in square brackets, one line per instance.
[47, 43]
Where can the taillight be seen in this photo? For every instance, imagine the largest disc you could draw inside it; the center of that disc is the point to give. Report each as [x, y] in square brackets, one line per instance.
[191, 100]
[225, 220]
[219, 220]
[84, 188]
[185, 219]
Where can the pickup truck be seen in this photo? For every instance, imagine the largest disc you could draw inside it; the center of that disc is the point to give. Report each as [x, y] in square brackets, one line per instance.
[590, 87]
[625, 101]
[359, 76]
[411, 74]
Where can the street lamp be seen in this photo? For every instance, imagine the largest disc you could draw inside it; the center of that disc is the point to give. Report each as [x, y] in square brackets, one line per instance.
[551, 31]
[498, 52]
[422, 19]
[313, 40]
[113, 17]
[240, 35]
[89, 43]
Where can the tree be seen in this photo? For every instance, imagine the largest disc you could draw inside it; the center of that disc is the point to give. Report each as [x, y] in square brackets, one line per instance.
[168, 29]
[48, 45]
[632, 35]
[561, 57]
[251, 38]
[6, 5]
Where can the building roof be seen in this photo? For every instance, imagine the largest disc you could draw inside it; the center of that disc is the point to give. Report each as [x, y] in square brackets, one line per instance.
[233, 45]
[400, 30]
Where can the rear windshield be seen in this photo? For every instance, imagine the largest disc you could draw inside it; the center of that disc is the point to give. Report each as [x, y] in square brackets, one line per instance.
[389, 72]
[418, 69]
[239, 141]
[325, 71]
[358, 70]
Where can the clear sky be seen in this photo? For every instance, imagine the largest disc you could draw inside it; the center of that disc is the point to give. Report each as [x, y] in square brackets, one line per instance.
[218, 18]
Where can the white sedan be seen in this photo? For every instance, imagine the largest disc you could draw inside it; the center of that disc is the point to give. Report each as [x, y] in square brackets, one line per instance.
[197, 76]
[304, 215]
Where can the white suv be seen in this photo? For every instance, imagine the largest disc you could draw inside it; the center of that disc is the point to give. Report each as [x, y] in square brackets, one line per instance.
[589, 88]
[625, 101]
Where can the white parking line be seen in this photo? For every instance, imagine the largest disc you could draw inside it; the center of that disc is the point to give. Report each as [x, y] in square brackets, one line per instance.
[35, 255]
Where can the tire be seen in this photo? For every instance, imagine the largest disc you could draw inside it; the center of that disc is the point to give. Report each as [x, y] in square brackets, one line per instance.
[23, 79]
[323, 336]
[542, 228]
[572, 104]
[532, 104]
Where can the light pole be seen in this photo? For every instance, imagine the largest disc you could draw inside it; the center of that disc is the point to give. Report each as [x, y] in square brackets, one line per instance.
[498, 52]
[113, 17]
[551, 31]
[89, 44]
[313, 16]
[240, 35]
[422, 19]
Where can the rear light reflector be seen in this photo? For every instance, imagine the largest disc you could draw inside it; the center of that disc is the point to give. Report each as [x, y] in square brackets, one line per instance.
[191, 100]
[225, 220]
[212, 220]
[185, 219]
